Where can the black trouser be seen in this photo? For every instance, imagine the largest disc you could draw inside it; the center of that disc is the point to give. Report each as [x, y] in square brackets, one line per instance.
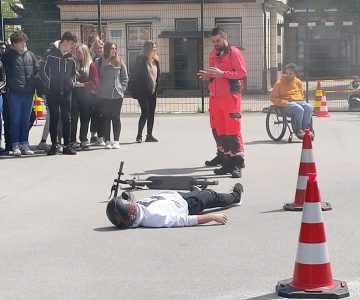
[96, 116]
[6, 119]
[110, 110]
[147, 106]
[62, 103]
[80, 105]
[200, 200]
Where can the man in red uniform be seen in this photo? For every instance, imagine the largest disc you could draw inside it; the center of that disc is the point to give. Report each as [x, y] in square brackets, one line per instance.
[226, 71]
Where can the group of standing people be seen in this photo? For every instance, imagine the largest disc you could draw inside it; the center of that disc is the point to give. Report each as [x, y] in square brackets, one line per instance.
[76, 81]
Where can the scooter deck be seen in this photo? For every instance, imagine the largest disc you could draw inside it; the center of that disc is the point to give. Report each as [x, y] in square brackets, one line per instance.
[176, 182]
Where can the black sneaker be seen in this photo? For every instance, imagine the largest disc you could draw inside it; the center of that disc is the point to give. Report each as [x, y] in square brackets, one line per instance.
[75, 145]
[150, 138]
[93, 139]
[238, 190]
[68, 151]
[139, 139]
[53, 150]
[227, 167]
[84, 146]
[236, 173]
[217, 160]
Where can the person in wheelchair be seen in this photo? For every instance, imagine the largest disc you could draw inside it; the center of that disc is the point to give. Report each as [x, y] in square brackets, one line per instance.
[171, 209]
[288, 94]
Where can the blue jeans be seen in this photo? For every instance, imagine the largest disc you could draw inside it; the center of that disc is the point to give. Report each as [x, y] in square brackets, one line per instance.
[301, 113]
[20, 106]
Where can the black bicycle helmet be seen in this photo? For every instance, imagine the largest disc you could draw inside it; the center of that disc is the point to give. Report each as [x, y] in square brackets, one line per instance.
[120, 212]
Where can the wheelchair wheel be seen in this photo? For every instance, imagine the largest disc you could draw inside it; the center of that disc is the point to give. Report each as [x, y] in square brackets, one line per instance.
[276, 123]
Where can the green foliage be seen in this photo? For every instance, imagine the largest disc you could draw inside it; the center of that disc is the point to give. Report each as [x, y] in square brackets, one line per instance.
[8, 13]
[35, 15]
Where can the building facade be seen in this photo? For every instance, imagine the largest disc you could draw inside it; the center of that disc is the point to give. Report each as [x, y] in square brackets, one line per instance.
[181, 31]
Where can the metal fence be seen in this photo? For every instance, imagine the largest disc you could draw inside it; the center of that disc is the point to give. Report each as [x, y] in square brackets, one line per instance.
[181, 31]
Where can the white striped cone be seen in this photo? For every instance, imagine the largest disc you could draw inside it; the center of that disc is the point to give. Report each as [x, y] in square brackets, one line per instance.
[312, 272]
[312, 266]
[307, 165]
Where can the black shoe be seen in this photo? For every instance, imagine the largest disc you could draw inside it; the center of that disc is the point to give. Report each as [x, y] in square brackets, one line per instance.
[217, 160]
[139, 139]
[225, 169]
[53, 150]
[93, 139]
[68, 151]
[150, 138]
[75, 145]
[236, 173]
[238, 190]
[84, 146]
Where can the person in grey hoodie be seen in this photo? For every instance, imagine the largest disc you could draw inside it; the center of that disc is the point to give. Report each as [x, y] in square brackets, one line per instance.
[113, 80]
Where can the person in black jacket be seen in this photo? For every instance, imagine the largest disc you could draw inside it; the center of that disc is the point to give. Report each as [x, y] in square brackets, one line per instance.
[60, 72]
[2, 90]
[143, 87]
[22, 72]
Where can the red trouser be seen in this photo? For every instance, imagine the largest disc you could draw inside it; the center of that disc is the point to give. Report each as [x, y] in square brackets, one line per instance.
[225, 118]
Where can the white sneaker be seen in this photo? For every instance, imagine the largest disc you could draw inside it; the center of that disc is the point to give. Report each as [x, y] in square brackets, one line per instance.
[43, 146]
[116, 145]
[100, 142]
[108, 145]
[25, 149]
[16, 151]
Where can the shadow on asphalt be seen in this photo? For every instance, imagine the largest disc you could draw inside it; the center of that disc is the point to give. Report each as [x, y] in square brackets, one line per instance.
[264, 142]
[265, 297]
[106, 229]
[183, 171]
[272, 211]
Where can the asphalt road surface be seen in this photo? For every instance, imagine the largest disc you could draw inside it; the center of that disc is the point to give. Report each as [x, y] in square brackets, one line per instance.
[56, 242]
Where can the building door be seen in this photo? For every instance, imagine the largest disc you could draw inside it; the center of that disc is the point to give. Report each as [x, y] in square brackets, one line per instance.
[186, 63]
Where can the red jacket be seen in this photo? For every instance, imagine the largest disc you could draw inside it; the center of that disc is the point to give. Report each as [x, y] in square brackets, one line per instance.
[233, 64]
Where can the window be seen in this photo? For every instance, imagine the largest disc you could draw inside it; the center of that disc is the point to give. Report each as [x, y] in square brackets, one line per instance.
[186, 25]
[233, 29]
[136, 36]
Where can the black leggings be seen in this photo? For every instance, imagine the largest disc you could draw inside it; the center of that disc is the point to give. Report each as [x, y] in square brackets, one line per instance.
[200, 200]
[147, 106]
[96, 117]
[80, 105]
[110, 110]
[55, 103]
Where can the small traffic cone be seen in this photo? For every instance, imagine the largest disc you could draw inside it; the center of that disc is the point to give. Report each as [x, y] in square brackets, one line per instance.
[318, 96]
[38, 109]
[307, 165]
[312, 276]
[323, 112]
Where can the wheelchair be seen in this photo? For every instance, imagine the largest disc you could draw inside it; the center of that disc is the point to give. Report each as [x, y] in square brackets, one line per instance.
[277, 123]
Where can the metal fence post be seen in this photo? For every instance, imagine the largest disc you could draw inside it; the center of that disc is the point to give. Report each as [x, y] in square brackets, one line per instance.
[2, 36]
[99, 19]
[202, 54]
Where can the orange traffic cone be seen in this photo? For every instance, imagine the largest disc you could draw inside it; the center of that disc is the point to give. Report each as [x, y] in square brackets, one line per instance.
[318, 96]
[312, 276]
[307, 165]
[323, 112]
